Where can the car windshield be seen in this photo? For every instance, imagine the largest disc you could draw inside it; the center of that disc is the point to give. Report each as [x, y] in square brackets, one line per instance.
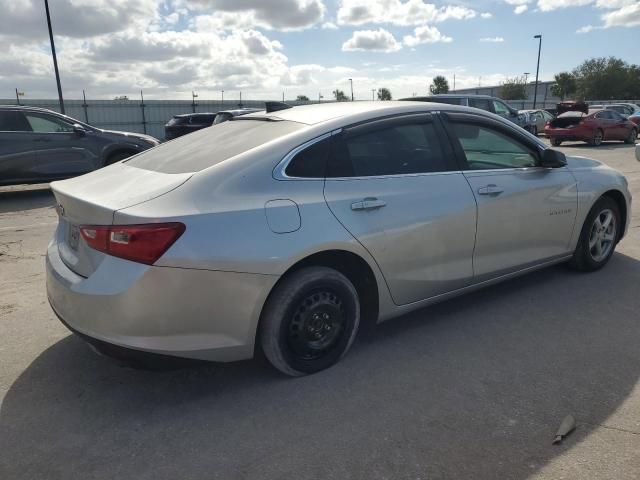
[221, 142]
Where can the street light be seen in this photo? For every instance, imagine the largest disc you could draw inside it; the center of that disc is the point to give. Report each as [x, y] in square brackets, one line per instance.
[55, 60]
[351, 82]
[373, 94]
[526, 77]
[222, 99]
[535, 89]
[194, 95]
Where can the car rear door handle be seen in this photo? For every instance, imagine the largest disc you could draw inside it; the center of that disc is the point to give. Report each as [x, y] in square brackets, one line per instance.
[491, 189]
[369, 203]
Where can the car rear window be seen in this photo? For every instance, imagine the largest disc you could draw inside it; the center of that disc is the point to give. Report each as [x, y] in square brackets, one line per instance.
[12, 121]
[208, 147]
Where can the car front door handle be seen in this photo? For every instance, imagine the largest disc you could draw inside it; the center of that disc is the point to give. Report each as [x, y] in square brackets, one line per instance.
[369, 203]
[491, 189]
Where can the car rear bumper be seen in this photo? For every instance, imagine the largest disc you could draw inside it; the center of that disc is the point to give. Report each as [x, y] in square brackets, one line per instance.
[569, 133]
[188, 313]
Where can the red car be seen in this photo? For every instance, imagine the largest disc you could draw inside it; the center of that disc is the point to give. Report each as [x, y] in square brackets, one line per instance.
[592, 126]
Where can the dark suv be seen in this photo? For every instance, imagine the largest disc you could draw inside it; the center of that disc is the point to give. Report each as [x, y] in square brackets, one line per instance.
[186, 123]
[483, 102]
[39, 145]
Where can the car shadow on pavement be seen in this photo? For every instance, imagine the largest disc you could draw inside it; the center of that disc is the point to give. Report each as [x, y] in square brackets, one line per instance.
[471, 388]
[613, 145]
[16, 199]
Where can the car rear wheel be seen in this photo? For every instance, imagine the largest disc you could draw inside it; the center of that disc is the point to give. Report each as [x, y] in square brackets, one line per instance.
[631, 138]
[309, 321]
[598, 238]
[597, 138]
[556, 142]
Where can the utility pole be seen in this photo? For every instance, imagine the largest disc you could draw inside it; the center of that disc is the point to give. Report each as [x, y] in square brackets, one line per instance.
[240, 104]
[454, 82]
[194, 95]
[222, 100]
[283, 97]
[55, 59]
[18, 95]
[535, 89]
[351, 82]
[373, 94]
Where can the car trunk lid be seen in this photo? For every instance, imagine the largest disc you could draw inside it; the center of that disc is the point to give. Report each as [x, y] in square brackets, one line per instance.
[93, 199]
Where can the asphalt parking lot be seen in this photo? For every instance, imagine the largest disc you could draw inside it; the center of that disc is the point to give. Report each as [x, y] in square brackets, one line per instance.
[471, 388]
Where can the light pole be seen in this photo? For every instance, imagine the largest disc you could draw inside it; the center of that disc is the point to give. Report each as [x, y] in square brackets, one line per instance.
[526, 77]
[194, 95]
[351, 82]
[55, 60]
[373, 94]
[535, 89]
[222, 98]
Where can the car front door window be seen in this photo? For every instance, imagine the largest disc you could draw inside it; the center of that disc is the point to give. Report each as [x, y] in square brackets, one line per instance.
[501, 109]
[487, 148]
[48, 124]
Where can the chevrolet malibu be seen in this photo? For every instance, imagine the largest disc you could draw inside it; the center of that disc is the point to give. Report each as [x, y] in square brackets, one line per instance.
[289, 230]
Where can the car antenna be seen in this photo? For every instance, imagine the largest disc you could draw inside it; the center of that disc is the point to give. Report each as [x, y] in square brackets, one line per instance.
[276, 106]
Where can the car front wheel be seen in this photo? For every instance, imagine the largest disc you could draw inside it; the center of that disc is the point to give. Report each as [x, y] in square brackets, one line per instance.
[310, 321]
[631, 138]
[599, 235]
[556, 142]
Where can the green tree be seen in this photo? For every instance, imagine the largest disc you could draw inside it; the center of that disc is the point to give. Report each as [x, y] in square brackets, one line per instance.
[439, 85]
[384, 94]
[302, 98]
[607, 78]
[514, 88]
[339, 95]
[565, 85]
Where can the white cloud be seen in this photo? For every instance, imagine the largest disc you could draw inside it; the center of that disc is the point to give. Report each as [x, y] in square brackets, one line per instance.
[274, 14]
[329, 26]
[371, 40]
[626, 16]
[492, 39]
[398, 12]
[520, 9]
[586, 29]
[425, 34]
[486, 15]
[549, 5]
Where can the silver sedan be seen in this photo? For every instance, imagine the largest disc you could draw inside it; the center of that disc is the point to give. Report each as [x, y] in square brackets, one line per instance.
[288, 230]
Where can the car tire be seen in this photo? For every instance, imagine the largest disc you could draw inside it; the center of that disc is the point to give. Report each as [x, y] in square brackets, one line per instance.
[631, 138]
[555, 142]
[596, 140]
[309, 321]
[118, 156]
[597, 242]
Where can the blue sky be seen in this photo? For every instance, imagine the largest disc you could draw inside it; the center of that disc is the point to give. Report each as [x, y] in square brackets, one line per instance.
[264, 47]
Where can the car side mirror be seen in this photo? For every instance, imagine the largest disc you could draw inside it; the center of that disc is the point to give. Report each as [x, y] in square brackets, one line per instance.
[553, 159]
[79, 129]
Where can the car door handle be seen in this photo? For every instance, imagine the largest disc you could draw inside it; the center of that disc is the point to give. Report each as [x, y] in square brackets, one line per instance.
[491, 189]
[369, 203]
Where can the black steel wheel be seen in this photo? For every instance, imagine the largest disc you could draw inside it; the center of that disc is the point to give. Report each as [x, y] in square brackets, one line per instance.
[310, 321]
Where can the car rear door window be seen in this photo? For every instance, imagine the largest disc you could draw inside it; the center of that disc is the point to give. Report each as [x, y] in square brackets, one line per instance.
[487, 148]
[310, 162]
[12, 121]
[481, 103]
[394, 150]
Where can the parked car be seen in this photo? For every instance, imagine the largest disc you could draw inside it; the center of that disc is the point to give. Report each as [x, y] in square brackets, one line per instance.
[635, 117]
[592, 127]
[537, 120]
[483, 102]
[39, 145]
[186, 123]
[226, 115]
[290, 229]
[623, 110]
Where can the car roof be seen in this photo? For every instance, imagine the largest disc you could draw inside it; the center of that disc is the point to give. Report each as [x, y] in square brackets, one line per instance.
[361, 110]
[186, 115]
[27, 108]
[242, 111]
[448, 95]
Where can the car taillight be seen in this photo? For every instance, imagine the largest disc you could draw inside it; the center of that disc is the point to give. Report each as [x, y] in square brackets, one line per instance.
[138, 243]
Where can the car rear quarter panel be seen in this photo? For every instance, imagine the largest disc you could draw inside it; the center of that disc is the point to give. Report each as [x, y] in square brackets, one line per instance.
[594, 180]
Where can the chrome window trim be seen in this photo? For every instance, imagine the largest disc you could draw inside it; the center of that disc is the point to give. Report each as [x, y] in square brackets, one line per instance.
[280, 168]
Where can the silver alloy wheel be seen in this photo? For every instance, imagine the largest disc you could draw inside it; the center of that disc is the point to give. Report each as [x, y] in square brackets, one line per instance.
[597, 137]
[603, 235]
